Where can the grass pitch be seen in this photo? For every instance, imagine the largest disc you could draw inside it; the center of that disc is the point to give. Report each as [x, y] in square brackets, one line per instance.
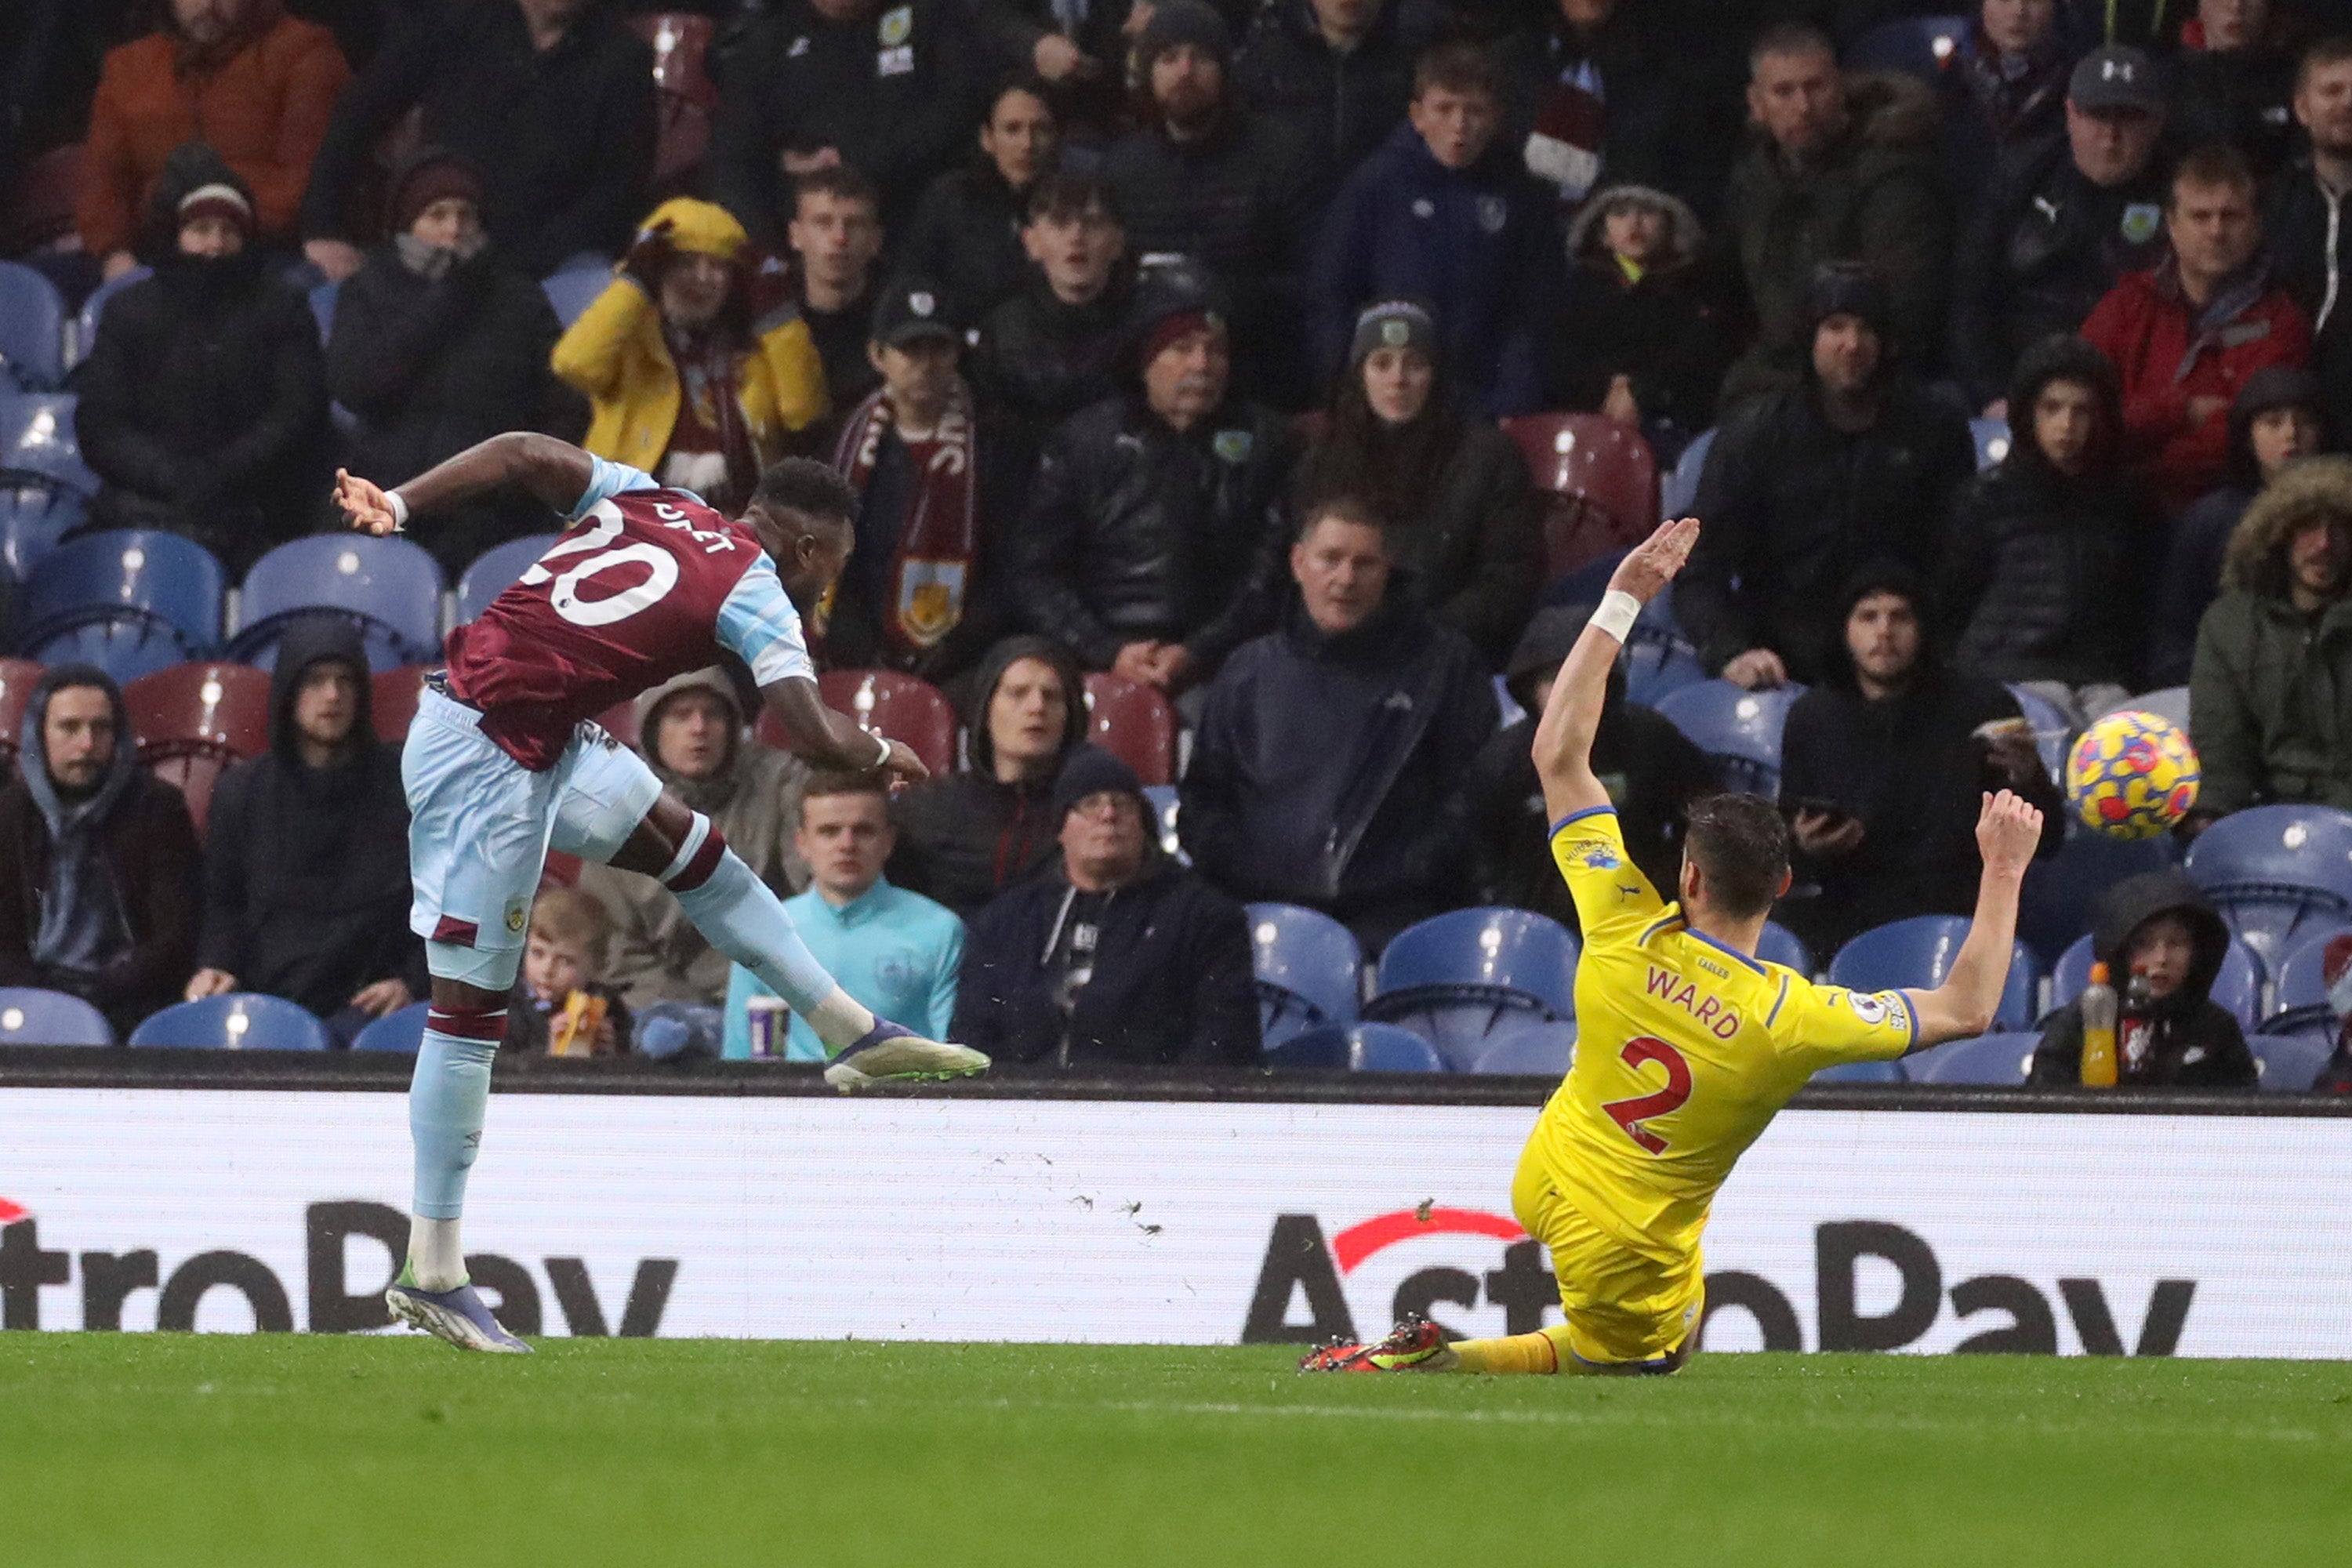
[168, 1449]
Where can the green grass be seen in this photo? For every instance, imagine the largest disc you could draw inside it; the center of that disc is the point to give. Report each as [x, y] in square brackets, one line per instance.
[169, 1449]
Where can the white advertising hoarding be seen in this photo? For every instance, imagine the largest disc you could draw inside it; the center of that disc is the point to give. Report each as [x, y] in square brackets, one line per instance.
[1135, 1221]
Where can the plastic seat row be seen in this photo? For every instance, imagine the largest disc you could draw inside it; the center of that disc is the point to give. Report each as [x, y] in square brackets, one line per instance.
[241, 1021]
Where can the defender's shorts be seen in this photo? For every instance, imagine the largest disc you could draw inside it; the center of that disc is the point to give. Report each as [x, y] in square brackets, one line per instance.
[480, 825]
[1624, 1307]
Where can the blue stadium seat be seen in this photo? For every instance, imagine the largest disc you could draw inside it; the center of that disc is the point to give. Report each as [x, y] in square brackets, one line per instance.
[1163, 809]
[403, 1031]
[1528, 1046]
[2238, 986]
[37, 445]
[136, 576]
[493, 570]
[390, 586]
[2288, 1063]
[2061, 897]
[34, 1018]
[2167, 702]
[2052, 732]
[1861, 1072]
[33, 518]
[2277, 872]
[1679, 488]
[240, 1021]
[1992, 441]
[1740, 729]
[323, 307]
[1455, 978]
[1357, 1047]
[1780, 945]
[32, 330]
[1309, 970]
[1657, 669]
[124, 649]
[1916, 46]
[573, 291]
[93, 308]
[2299, 1001]
[2002, 1059]
[1918, 952]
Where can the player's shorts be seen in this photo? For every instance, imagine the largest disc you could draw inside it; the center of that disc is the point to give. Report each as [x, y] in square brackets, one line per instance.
[480, 825]
[1624, 1307]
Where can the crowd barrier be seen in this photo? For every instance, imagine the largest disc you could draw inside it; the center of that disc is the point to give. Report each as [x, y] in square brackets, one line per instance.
[195, 1193]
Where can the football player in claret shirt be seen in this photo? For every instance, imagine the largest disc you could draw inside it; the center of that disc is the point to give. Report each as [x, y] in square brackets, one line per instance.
[1686, 1045]
[504, 762]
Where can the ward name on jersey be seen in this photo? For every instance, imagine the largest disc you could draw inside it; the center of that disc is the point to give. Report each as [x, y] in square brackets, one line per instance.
[1684, 1050]
[644, 585]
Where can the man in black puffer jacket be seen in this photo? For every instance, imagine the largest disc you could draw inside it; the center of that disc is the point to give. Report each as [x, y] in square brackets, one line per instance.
[1328, 767]
[1155, 519]
[204, 401]
[1053, 347]
[1330, 76]
[2160, 926]
[2054, 549]
[306, 858]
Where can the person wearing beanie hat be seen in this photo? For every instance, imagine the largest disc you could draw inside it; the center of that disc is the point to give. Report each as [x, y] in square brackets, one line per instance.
[697, 366]
[1884, 763]
[1853, 464]
[2280, 417]
[203, 402]
[1445, 212]
[1117, 958]
[2048, 582]
[1463, 520]
[438, 343]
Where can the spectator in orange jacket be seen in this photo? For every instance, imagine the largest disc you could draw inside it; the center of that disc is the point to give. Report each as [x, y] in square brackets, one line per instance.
[240, 74]
[2187, 335]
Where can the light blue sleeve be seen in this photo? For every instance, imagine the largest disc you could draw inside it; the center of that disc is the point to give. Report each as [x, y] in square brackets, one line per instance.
[758, 622]
[944, 979]
[605, 480]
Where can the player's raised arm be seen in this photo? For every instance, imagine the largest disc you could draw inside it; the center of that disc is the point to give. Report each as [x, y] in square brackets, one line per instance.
[2009, 829]
[1564, 746]
[557, 473]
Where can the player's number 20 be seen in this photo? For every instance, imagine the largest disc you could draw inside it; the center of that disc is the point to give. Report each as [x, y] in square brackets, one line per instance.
[1629, 1114]
[661, 576]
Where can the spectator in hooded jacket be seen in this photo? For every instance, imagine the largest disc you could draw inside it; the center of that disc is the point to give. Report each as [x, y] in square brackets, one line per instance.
[242, 75]
[1329, 76]
[1459, 510]
[1599, 97]
[1329, 764]
[695, 366]
[1639, 337]
[99, 878]
[965, 837]
[1116, 958]
[891, 90]
[1444, 213]
[2234, 79]
[1652, 771]
[1840, 169]
[1053, 347]
[966, 233]
[2311, 243]
[939, 485]
[439, 343]
[1206, 178]
[692, 729]
[552, 100]
[2047, 581]
[2187, 335]
[1155, 519]
[2280, 417]
[2055, 233]
[1806, 486]
[2270, 697]
[306, 850]
[2004, 90]
[2158, 927]
[1883, 765]
[203, 400]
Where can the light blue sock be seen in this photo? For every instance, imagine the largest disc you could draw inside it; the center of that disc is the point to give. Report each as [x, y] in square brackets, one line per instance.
[448, 1098]
[743, 919]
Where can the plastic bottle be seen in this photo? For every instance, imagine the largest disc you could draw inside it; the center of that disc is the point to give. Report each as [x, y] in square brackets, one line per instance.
[2135, 1032]
[2099, 1030]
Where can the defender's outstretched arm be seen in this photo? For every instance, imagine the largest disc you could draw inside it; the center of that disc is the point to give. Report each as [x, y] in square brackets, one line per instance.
[557, 473]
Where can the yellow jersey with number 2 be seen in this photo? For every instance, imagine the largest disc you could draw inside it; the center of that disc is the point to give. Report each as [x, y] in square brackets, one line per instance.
[1684, 1049]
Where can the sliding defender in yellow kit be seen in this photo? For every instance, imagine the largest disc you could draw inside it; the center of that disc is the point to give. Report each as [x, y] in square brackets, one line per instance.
[1686, 1043]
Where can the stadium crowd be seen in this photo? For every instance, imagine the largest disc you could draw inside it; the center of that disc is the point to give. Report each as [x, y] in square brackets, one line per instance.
[1187, 360]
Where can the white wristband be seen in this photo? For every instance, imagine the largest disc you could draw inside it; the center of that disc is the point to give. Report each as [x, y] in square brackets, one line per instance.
[1618, 611]
[884, 761]
[399, 509]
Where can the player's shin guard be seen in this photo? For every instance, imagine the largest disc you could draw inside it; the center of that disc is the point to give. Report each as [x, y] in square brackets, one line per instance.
[448, 1098]
[744, 920]
[1545, 1351]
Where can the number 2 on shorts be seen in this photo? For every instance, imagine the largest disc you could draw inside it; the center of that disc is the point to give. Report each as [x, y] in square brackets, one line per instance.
[1630, 1113]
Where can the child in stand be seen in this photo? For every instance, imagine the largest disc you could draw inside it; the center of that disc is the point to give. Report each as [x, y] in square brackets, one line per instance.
[2158, 927]
[559, 1007]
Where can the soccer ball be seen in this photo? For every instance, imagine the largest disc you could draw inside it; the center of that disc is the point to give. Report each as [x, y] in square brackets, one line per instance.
[2132, 775]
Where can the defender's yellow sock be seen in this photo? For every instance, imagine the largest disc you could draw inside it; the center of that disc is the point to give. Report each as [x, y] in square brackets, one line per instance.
[1545, 1351]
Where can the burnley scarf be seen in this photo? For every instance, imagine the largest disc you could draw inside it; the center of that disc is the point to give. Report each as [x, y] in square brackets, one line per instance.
[931, 570]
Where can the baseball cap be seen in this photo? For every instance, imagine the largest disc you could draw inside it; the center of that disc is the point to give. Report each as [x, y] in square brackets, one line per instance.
[2115, 77]
[911, 308]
